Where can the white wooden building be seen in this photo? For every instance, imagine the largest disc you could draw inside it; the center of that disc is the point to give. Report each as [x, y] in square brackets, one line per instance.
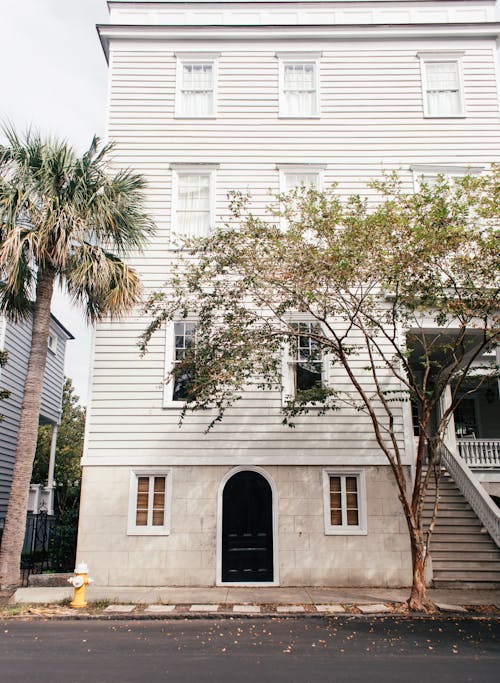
[208, 97]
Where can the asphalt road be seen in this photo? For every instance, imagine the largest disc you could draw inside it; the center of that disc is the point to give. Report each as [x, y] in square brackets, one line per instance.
[251, 650]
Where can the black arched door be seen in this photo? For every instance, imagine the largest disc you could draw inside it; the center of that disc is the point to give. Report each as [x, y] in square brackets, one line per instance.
[247, 528]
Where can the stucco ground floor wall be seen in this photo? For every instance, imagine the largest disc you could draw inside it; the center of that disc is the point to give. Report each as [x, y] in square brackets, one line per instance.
[189, 553]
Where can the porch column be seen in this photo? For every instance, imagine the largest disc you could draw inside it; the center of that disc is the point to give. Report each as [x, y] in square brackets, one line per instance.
[450, 439]
[50, 475]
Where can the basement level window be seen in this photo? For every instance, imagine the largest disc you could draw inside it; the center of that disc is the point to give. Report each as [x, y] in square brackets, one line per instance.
[149, 502]
[344, 502]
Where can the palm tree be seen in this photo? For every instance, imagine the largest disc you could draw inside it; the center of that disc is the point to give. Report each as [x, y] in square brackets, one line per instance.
[63, 219]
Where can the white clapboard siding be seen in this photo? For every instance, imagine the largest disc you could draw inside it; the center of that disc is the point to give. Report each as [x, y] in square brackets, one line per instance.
[371, 120]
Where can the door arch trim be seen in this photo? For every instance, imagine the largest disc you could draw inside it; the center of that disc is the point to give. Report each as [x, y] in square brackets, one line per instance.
[274, 493]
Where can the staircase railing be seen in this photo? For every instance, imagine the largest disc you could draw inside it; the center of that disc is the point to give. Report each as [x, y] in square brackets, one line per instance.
[473, 492]
[480, 453]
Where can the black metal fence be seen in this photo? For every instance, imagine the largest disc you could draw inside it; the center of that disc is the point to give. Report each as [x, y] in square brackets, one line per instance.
[49, 544]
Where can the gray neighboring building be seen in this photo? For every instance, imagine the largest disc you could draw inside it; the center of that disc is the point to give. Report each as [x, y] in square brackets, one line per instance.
[15, 338]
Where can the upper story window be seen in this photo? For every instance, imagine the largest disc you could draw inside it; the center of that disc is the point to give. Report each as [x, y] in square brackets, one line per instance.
[304, 371]
[52, 342]
[193, 200]
[302, 176]
[179, 351]
[442, 84]
[429, 173]
[196, 86]
[299, 85]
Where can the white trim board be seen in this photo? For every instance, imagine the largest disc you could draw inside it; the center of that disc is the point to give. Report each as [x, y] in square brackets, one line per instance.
[215, 459]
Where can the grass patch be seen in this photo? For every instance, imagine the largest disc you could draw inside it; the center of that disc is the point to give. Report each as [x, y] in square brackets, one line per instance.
[12, 610]
[99, 604]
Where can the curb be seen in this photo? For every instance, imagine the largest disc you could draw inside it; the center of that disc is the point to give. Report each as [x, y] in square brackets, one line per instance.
[221, 616]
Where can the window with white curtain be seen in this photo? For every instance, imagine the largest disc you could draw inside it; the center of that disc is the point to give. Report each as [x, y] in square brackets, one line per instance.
[442, 86]
[192, 200]
[299, 87]
[196, 91]
[193, 207]
[301, 176]
[293, 179]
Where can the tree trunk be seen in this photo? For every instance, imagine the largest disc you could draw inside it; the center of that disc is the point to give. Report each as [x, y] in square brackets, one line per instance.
[15, 523]
[418, 600]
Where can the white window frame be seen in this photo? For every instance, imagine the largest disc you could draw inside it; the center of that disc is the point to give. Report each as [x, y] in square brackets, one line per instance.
[431, 171]
[168, 386]
[288, 169]
[425, 58]
[209, 170]
[150, 530]
[196, 58]
[296, 58]
[345, 530]
[52, 342]
[289, 363]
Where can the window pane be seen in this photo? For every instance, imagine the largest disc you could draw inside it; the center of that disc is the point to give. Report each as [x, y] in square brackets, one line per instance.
[335, 501]
[308, 363]
[334, 483]
[336, 517]
[299, 89]
[298, 179]
[143, 484]
[442, 75]
[193, 214]
[142, 503]
[443, 88]
[141, 518]
[352, 518]
[197, 90]
[446, 103]
[299, 77]
[197, 77]
[351, 484]
[197, 103]
[158, 517]
[159, 485]
[184, 340]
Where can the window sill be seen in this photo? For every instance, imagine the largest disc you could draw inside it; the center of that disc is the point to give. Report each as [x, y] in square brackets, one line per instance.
[345, 531]
[148, 532]
[179, 405]
[445, 116]
[299, 118]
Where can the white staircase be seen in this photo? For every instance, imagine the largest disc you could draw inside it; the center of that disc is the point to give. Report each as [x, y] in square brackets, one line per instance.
[462, 550]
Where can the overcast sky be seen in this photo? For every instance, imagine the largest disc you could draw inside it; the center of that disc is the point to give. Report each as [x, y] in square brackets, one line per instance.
[54, 76]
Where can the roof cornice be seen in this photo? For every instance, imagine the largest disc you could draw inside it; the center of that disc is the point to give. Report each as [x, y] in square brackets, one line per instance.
[108, 32]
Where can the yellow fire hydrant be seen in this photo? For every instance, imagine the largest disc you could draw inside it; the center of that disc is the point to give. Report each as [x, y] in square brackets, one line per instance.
[80, 582]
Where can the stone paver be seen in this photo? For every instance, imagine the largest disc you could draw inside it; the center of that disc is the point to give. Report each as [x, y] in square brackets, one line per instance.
[204, 608]
[373, 609]
[120, 608]
[246, 609]
[444, 607]
[334, 609]
[159, 609]
[290, 609]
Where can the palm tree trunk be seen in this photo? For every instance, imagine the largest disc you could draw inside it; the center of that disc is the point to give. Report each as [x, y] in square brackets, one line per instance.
[15, 523]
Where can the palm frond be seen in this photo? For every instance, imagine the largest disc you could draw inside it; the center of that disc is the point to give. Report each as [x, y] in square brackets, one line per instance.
[68, 214]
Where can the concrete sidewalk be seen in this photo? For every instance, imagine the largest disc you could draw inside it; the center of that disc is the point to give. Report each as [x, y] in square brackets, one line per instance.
[227, 595]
